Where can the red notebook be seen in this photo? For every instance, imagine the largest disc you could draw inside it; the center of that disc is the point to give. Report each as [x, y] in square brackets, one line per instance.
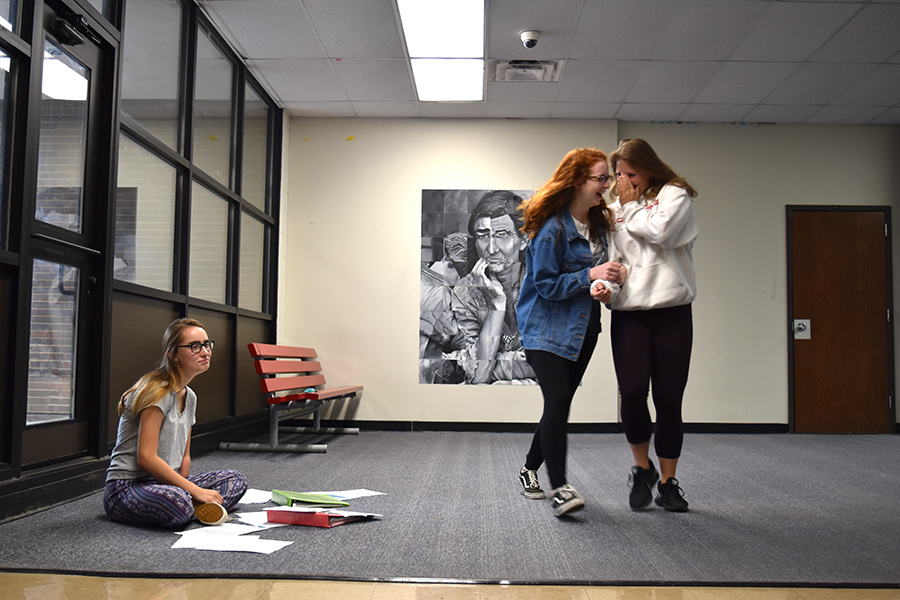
[315, 517]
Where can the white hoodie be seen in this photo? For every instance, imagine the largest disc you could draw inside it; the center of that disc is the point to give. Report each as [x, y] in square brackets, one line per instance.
[653, 239]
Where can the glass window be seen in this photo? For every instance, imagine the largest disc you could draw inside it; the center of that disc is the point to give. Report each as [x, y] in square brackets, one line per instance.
[212, 110]
[145, 218]
[209, 245]
[256, 129]
[51, 353]
[5, 69]
[105, 7]
[253, 240]
[151, 67]
[8, 14]
[62, 144]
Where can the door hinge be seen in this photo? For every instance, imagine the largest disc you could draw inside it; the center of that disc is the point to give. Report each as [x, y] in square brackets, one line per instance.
[890, 402]
[889, 315]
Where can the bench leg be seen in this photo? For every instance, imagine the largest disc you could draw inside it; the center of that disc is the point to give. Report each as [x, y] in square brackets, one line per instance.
[322, 430]
[259, 447]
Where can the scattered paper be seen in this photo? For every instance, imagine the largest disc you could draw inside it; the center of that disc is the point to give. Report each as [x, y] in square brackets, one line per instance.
[256, 518]
[229, 528]
[351, 494]
[200, 539]
[255, 497]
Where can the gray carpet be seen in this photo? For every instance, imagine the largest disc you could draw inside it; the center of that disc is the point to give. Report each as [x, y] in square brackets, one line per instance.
[765, 510]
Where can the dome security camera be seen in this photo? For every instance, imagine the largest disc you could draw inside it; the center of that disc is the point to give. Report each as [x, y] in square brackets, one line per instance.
[529, 38]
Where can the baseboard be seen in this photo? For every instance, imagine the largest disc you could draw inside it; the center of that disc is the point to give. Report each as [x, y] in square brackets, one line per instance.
[529, 427]
[45, 488]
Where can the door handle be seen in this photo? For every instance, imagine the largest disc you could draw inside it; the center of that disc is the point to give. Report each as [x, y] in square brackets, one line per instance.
[802, 329]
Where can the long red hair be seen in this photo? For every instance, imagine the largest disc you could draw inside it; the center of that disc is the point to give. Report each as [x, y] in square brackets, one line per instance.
[559, 190]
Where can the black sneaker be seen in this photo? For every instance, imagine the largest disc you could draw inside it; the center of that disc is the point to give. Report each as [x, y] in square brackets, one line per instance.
[530, 485]
[642, 482]
[671, 497]
[566, 500]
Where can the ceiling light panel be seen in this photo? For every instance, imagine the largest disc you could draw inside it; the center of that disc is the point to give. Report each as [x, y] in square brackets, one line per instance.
[443, 28]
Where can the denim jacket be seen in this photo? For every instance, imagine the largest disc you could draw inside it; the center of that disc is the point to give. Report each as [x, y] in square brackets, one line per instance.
[555, 304]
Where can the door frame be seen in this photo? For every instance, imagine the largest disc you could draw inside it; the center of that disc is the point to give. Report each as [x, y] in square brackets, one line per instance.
[88, 249]
[790, 209]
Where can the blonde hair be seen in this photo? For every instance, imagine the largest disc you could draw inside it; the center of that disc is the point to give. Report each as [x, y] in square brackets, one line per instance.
[153, 387]
[559, 190]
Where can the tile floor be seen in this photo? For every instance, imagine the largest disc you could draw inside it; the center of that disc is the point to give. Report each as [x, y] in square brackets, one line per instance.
[39, 586]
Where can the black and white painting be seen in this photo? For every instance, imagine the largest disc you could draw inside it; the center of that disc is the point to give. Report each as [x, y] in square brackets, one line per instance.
[473, 263]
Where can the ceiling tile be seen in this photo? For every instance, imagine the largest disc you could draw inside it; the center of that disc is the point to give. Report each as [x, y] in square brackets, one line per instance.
[888, 117]
[519, 110]
[871, 36]
[671, 81]
[584, 110]
[302, 80]
[454, 110]
[597, 80]
[881, 87]
[792, 31]
[708, 29]
[818, 83]
[650, 112]
[845, 115]
[387, 109]
[375, 80]
[744, 83]
[716, 113]
[700, 60]
[511, 91]
[507, 18]
[606, 29]
[266, 28]
[780, 114]
[354, 29]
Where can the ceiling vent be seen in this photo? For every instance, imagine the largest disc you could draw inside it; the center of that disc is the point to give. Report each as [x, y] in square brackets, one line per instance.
[524, 71]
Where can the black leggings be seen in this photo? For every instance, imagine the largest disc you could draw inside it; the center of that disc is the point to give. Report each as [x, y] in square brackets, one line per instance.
[653, 346]
[558, 378]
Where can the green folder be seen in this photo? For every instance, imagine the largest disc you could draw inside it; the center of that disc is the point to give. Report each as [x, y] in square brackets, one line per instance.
[303, 498]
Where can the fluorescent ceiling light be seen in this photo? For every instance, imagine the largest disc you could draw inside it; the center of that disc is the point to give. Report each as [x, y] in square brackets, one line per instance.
[445, 41]
[449, 79]
[443, 28]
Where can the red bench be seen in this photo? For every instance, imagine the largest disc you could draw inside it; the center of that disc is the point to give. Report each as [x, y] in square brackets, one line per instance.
[292, 382]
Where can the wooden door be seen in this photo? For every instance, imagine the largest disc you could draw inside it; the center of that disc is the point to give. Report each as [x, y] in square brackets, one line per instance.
[841, 363]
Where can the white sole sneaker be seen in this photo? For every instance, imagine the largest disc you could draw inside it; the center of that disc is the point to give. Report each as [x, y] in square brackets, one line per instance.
[210, 513]
[566, 500]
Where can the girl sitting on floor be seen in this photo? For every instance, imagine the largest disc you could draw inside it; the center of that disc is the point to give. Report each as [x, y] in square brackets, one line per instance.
[149, 481]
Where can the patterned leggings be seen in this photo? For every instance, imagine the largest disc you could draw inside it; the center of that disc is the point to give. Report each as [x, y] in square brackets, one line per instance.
[145, 501]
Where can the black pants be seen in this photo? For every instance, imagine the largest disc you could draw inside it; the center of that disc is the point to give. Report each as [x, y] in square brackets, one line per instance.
[558, 378]
[653, 347]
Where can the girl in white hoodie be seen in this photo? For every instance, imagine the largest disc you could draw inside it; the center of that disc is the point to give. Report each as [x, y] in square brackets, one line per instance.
[653, 234]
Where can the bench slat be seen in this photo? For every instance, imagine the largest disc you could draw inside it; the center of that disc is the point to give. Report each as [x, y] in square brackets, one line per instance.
[272, 367]
[276, 351]
[333, 392]
[281, 384]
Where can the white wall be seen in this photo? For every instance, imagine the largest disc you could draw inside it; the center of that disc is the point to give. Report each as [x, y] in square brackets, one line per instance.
[352, 249]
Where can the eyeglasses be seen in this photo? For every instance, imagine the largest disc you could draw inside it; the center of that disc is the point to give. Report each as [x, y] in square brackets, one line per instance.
[195, 346]
[600, 178]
